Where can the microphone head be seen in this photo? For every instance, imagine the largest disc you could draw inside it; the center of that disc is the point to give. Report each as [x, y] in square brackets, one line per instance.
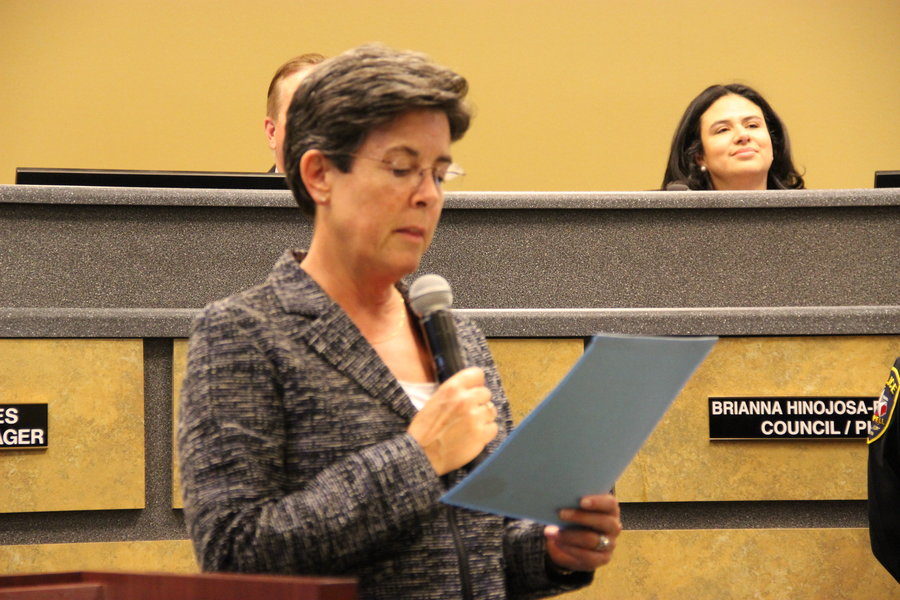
[429, 293]
[677, 186]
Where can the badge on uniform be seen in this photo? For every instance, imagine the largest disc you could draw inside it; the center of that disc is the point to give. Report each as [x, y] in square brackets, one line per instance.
[884, 477]
[885, 405]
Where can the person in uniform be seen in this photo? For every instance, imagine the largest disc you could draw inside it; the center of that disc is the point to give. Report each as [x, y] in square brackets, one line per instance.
[884, 476]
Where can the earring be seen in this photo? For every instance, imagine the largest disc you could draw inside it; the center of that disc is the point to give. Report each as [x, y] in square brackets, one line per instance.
[703, 168]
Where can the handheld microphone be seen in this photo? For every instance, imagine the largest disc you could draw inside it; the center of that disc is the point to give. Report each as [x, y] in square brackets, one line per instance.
[430, 298]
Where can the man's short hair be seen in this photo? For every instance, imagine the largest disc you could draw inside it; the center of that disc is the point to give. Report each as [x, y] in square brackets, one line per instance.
[342, 100]
[298, 63]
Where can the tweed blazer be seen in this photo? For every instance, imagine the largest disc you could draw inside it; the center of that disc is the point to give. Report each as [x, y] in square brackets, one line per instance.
[295, 458]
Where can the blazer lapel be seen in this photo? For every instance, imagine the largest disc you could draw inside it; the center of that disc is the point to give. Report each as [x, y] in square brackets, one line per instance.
[329, 332]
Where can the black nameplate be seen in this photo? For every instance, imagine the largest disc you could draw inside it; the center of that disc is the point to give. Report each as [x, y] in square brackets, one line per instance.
[23, 426]
[790, 418]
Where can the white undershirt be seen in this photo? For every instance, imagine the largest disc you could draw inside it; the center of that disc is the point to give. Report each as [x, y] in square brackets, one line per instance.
[419, 393]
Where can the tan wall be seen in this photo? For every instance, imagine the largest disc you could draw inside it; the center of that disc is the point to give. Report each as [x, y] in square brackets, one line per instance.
[739, 564]
[86, 378]
[172, 556]
[571, 95]
[94, 391]
[705, 564]
[678, 462]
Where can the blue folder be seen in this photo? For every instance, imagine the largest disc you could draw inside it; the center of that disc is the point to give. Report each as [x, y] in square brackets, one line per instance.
[581, 438]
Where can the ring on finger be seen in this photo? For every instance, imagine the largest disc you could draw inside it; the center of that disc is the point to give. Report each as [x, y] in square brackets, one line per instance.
[603, 544]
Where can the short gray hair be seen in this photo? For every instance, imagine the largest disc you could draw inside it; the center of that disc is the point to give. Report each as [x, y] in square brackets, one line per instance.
[346, 97]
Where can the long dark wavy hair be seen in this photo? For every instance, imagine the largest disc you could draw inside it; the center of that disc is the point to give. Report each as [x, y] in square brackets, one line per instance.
[687, 146]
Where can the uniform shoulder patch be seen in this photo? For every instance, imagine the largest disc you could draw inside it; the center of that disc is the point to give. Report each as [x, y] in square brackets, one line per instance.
[885, 405]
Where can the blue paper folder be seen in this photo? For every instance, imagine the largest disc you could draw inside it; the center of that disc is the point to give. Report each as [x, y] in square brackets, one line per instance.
[579, 440]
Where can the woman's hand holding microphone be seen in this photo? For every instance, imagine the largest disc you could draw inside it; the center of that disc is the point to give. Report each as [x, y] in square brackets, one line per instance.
[457, 422]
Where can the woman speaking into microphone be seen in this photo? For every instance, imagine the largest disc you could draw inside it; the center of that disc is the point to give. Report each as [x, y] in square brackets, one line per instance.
[313, 436]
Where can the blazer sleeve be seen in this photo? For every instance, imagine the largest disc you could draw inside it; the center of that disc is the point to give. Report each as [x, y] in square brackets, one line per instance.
[524, 549]
[231, 444]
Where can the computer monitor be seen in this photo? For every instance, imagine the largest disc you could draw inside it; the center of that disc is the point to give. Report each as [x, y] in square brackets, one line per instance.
[161, 179]
[887, 179]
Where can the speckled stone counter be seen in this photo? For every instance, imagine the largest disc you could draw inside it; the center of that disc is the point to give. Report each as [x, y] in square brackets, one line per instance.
[119, 196]
[797, 320]
[138, 263]
[137, 247]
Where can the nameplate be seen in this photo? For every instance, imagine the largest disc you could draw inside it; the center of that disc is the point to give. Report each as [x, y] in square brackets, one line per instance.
[790, 418]
[23, 426]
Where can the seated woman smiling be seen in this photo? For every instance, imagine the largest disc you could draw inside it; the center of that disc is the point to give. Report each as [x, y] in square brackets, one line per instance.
[729, 138]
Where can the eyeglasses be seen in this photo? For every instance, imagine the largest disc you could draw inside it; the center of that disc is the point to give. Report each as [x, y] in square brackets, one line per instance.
[409, 174]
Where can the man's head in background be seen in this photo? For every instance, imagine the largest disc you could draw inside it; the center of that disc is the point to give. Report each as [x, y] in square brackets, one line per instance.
[281, 89]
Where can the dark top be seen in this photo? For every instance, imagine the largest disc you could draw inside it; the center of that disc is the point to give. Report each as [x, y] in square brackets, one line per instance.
[884, 476]
[295, 458]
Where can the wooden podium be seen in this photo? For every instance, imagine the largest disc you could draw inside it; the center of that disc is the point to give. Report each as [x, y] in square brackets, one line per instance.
[91, 585]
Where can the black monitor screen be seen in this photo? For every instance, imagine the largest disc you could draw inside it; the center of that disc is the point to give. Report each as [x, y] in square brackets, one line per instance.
[162, 179]
[887, 179]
